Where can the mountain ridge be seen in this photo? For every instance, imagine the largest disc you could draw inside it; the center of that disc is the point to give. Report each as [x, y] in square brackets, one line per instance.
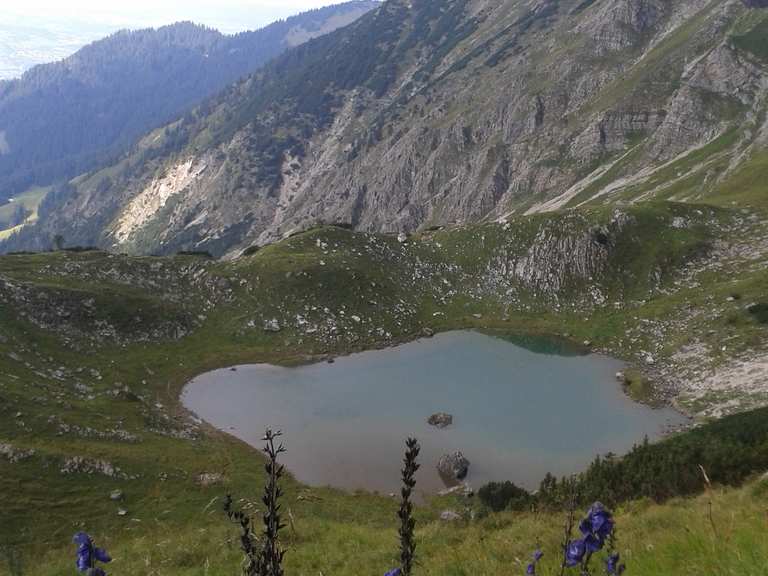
[421, 115]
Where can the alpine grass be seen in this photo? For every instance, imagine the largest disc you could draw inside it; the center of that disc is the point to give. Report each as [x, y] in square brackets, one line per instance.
[13, 559]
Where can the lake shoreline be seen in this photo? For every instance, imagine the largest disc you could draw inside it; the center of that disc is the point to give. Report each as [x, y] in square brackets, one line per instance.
[320, 363]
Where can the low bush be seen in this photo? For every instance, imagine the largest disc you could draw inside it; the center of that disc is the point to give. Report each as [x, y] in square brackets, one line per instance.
[197, 253]
[499, 496]
[728, 450]
[760, 312]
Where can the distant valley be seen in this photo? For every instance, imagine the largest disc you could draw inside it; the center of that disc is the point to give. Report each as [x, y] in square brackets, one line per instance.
[22, 47]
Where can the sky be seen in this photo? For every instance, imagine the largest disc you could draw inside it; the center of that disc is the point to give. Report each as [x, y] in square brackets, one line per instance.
[225, 15]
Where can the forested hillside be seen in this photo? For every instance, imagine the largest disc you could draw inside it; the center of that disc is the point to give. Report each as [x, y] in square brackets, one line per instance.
[64, 118]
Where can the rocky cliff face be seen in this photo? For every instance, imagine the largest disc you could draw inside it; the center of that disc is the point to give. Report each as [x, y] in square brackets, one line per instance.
[427, 113]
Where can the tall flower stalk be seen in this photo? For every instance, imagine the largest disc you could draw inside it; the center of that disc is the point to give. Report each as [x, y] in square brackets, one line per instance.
[405, 513]
[263, 556]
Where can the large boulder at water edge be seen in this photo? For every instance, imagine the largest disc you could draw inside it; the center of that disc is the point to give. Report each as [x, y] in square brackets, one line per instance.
[453, 467]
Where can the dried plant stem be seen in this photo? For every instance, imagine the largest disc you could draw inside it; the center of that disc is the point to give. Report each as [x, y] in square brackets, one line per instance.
[708, 483]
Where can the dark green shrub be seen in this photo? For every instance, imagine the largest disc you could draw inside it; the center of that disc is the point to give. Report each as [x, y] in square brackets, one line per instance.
[197, 253]
[81, 249]
[760, 312]
[730, 450]
[500, 496]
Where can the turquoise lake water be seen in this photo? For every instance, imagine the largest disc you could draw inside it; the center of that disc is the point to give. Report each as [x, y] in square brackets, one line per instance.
[520, 411]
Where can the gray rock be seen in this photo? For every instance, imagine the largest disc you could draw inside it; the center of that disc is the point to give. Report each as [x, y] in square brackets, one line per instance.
[116, 495]
[427, 332]
[453, 468]
[272, 325]
[14, 455]
[208, 479]
[91, 466]
[463, 489]
[450, 516]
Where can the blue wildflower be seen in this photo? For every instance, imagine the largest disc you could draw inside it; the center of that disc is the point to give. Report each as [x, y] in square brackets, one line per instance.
[593, 543]
[574, 552]
[394, 572]
[596, 527]
[537, 556]
[88, 555]
[612, 565]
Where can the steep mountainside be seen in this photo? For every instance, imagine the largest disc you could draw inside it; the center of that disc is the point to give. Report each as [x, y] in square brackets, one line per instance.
[61, 119]
[425, 113]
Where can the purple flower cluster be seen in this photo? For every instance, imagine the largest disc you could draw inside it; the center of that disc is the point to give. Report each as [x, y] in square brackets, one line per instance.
[537, 556]
[88, 555]
[394, 572]
[595, 529]
[613, 565]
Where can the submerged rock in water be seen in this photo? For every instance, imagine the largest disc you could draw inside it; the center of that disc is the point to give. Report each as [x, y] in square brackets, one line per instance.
[453, 467]
[440, 420]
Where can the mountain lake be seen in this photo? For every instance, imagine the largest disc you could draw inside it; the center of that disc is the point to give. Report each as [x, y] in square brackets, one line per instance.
[521, 407]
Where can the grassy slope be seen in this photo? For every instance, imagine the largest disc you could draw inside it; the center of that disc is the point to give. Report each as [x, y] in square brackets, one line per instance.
[30, 200]
[396, 290]
[676, 538]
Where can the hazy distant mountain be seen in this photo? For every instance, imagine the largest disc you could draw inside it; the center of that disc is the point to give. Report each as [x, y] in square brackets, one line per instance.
[61, 119]
[25, 46]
